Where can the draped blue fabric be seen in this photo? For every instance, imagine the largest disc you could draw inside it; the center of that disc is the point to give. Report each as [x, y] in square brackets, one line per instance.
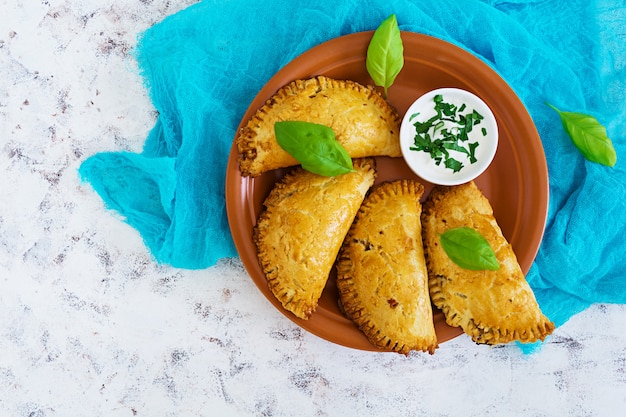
[204, 65]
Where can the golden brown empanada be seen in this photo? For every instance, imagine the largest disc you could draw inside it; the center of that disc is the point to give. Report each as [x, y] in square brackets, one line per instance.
[363, 122]
[381, 272]
[490, 306]
[299, 233]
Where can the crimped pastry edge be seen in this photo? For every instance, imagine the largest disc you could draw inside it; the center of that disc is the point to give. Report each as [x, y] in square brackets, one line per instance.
[245, 139]
[349, 301]
[480, 333]
[300, 308]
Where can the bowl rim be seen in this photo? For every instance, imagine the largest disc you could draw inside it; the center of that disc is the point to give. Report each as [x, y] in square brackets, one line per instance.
[441, 177]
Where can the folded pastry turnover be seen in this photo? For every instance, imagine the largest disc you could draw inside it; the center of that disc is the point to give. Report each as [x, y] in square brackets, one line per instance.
[490, 306]
[299, 233]
[381, 271]
[363, 122]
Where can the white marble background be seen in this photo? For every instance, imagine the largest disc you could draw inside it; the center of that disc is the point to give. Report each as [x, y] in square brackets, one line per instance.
[91, 326]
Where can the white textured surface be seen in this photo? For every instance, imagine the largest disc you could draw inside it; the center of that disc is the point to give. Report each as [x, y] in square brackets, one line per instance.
[90, 326]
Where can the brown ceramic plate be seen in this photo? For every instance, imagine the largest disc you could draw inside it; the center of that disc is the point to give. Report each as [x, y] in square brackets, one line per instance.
[516, 183]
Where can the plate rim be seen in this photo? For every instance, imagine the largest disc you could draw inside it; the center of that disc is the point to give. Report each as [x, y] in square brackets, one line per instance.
[265, 92]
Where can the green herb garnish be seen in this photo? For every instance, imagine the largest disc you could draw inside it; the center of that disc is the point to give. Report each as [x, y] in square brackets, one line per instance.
[589, 136]
[314, 146]
[469, 249]
[385, 54]
[447, 131]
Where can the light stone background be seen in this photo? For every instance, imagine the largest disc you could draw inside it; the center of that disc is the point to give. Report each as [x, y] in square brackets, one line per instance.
[91, 326]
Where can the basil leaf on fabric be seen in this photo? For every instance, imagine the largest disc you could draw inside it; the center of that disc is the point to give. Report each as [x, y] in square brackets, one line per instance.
[467, 248]
[589, 136]
[314, 146]
[385, 53]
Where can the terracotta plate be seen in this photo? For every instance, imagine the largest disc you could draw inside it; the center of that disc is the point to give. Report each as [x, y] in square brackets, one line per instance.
[516, 183]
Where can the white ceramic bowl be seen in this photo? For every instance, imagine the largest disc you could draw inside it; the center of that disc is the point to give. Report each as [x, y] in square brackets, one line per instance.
[484, 134]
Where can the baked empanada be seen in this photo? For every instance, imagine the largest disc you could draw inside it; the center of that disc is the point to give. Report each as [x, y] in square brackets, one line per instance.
[381, 272]
[490, 306]
[299, 233]
[363, 122]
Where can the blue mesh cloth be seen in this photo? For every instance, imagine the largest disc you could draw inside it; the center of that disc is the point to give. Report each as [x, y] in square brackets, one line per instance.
[204, 65]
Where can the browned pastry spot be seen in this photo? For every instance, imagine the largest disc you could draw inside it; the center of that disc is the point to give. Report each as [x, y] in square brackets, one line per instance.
[363, 122]
[381, 271]
[299, 233]
[490, 306]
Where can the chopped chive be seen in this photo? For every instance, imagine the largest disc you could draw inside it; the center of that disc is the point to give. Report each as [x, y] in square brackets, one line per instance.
[447, 138]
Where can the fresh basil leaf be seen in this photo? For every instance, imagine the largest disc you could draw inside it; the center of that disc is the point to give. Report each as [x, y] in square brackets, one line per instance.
[589, 136]
[469, 249]
[314, 146]
[385, 53]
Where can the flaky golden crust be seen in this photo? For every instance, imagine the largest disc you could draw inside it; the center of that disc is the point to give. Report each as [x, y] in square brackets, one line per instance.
[381, 272]
[490, 306]
[299, 233]
[363, 122]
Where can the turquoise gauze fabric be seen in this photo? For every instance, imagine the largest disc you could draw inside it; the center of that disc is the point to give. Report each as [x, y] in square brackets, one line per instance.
[204, 65]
